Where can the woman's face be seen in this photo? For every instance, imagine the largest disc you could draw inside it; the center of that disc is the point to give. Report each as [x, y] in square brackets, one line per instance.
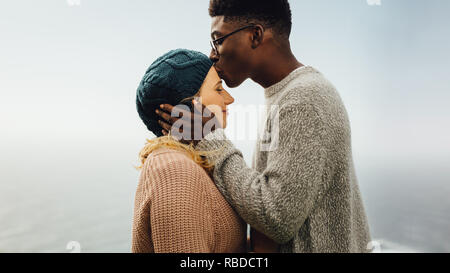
[215, 97]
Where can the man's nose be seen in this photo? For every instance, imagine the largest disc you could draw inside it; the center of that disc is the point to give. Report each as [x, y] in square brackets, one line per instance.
[213, 56]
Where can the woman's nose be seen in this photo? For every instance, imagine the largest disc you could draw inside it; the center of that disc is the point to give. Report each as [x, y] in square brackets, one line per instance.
[229, 99]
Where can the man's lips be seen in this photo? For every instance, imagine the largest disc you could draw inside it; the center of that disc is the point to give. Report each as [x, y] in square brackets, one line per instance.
[219, 72]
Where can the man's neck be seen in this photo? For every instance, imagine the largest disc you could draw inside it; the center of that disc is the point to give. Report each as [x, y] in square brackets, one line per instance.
[275, 68]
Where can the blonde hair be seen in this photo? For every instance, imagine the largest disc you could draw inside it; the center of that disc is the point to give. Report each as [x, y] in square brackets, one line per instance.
[170, 142]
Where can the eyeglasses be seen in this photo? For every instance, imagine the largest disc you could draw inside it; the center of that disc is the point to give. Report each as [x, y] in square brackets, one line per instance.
[219, 41]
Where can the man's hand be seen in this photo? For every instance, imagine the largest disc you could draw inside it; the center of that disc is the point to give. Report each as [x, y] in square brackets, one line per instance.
[186, 126]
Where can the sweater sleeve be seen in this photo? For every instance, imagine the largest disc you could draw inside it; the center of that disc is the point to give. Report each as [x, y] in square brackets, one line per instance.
[180, 214]
[277, 200]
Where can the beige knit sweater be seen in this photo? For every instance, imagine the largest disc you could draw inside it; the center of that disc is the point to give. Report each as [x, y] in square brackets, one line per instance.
[178, 209]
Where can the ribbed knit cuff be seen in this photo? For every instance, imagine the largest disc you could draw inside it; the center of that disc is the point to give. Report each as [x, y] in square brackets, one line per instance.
[218, 134]
[212, 141]
[216, 142]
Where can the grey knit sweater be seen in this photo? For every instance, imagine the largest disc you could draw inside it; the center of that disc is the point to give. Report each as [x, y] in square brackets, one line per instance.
[302, 190]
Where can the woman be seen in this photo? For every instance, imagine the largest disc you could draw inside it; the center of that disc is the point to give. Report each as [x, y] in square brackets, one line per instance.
[177, 206]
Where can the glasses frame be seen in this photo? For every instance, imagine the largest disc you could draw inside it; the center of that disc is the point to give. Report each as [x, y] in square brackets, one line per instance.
[214, 42]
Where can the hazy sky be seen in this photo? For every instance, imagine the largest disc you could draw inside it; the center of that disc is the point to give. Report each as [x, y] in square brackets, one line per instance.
[69, 73]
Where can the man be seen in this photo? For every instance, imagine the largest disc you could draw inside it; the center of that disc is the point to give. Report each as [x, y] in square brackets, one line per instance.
[302, 191]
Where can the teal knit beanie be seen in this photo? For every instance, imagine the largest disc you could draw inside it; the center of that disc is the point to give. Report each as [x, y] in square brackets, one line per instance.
[175, 76]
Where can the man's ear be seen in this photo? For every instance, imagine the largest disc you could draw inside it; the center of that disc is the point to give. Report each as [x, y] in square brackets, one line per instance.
[257, 36]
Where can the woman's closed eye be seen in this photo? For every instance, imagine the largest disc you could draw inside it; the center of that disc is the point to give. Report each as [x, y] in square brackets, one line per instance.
[219, 87]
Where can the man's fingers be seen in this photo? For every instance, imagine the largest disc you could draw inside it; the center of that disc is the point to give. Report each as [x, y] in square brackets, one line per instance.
[170, 109]
[165, 125]
[176, 112]
[183, 124]
[166, 107]
[166, 117]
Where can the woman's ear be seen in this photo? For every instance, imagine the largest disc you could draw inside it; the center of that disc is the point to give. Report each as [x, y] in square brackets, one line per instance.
[196, 104]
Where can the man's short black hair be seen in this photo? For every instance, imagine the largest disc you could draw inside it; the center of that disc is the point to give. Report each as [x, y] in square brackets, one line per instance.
[273, 14]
